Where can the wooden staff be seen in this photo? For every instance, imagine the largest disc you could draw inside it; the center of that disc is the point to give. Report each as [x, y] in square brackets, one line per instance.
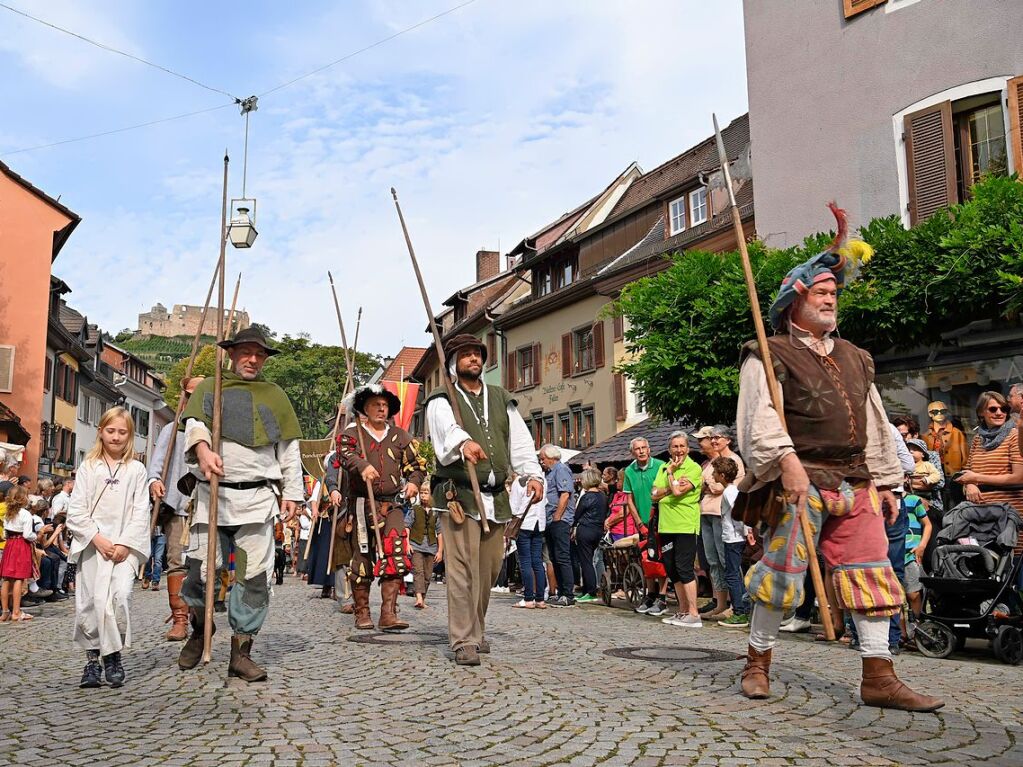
[181, 399]
[772, 383]
[350, 362]
[230, 316]
[212, 581]
[448, 383]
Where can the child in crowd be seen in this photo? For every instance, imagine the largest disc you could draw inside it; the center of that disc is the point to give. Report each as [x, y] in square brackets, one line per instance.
[427, 543]
[925, 475]
[917, 537]
[735, 536]
[108, 516]
[16, 564]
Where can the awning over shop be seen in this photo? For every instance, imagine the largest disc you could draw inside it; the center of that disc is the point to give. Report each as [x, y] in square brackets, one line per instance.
[614, 451]
[11, 424]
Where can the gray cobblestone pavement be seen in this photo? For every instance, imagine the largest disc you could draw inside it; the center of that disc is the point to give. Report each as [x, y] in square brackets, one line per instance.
[548, 694]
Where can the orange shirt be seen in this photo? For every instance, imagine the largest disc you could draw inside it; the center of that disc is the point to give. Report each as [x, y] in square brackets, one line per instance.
[950, 443]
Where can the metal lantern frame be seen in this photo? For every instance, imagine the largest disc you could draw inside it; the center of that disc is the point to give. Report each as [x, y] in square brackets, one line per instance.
[241, 230]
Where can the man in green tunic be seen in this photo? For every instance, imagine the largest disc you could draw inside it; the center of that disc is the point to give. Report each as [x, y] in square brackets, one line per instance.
[494, 442]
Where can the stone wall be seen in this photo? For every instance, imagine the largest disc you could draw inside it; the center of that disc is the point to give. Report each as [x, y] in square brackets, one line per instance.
[184, 321]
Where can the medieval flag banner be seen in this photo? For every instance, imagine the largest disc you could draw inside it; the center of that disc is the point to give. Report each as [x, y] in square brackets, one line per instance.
[407, 393]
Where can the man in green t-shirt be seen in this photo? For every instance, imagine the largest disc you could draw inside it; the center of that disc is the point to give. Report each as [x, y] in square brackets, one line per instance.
[637, 485]
[677, 492]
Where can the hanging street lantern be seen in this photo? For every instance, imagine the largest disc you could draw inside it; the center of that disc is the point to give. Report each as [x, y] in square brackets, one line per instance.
[241, 231]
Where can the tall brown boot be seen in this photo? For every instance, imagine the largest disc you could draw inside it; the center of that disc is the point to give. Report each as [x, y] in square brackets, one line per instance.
[881, 688]
[241, 665]
[389, 620]
[756, 682]
[360, 596]
[191, 652]
[178, 631]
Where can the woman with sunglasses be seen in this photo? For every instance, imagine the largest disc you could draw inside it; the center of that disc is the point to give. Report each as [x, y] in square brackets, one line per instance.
[994, 470]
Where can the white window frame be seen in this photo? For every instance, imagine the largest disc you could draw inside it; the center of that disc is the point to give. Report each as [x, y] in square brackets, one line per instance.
[998, 85]
[692, 206]
[673, 207]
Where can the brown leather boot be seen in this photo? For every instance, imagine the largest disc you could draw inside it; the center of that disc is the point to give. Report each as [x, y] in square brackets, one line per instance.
[881, 688]
[360, 597]
[389, 620]
[241, 665]
[178, 631]
[191, 653]
[756, 682]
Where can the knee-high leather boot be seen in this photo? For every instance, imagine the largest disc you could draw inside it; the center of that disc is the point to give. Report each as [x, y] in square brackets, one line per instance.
[178, 631]
[360, 597]
[389, 620]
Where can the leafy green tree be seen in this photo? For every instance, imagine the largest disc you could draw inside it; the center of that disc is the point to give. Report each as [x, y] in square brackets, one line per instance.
[687, 323]
[205, 365]
[265, 330]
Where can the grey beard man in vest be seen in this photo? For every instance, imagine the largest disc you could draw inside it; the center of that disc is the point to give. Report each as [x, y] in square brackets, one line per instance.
[836, 462]
[494, 442]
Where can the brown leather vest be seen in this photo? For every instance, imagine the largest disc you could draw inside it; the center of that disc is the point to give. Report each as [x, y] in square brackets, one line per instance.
[825, 406]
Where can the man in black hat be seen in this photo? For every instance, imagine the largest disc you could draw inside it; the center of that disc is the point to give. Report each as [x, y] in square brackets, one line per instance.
[394, 469]
[260, 472]
[495, 441]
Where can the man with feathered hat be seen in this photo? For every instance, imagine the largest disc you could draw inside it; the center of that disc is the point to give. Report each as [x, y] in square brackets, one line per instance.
[393, 468]
[835, 458]
[493, 441]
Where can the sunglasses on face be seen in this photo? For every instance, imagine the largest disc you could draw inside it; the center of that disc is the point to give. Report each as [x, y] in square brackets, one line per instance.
[937, 411]
[998, 409]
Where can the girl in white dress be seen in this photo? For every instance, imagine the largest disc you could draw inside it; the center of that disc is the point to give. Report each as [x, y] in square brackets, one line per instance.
[108, 516]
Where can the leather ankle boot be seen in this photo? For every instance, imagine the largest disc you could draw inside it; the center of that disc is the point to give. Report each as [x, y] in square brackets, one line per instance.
[178, 631]
[191, 652]
[241, 665]
[881, 688]
[360, 597]
[756, 682]
[389, 620]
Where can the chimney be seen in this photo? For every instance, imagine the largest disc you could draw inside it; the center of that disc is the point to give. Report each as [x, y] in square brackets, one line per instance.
[488, 264]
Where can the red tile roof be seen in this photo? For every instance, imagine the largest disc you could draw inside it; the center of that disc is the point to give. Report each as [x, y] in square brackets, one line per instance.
[405, 361]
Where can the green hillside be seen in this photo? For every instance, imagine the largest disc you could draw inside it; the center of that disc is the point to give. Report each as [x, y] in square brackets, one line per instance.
[161, 353]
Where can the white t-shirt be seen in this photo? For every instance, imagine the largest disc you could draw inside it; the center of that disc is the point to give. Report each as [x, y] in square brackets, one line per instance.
[732, 531]
[535, 515]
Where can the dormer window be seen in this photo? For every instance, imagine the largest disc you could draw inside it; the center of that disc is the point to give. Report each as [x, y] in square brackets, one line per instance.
[555, 275]
[688, 210]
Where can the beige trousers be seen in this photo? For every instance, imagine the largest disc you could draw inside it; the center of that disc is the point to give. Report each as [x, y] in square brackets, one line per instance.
[173, 532]
[472, 563]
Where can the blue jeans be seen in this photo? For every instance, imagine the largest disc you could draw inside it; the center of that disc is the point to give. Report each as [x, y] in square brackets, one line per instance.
[733, 577]
[529, 544]
[560, 549]
[897, 557]
[155, 564]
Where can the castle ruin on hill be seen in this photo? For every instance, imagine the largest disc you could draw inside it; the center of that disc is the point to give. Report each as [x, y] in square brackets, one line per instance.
[184, 321]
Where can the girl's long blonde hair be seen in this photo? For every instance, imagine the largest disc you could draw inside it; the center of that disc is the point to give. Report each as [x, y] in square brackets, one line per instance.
[129, 446]
[16, 500]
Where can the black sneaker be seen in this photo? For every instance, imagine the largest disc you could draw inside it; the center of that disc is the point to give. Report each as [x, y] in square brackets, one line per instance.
[710, 607]
[560, 602]
[219, 607]
[92, 676]
[113, 670]
[644, 608]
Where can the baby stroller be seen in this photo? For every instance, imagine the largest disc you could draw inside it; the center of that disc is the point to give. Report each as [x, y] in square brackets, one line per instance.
[972, 590]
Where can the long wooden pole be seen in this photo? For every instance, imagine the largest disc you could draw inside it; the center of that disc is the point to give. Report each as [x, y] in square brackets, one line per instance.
[181, 398]
[212, 581]
[349, 387]
[349, 359]
[230, 314]
[439, 347]
[772, 382]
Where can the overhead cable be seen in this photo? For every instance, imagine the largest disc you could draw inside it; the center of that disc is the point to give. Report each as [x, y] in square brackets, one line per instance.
[119, 52]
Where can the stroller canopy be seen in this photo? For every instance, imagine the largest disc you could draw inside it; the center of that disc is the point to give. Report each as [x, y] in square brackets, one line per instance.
[990, 524]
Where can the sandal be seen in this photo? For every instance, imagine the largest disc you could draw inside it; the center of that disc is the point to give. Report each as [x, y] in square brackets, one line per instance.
[5, 616]
[22, 618]
[540, 605]
[522, 603]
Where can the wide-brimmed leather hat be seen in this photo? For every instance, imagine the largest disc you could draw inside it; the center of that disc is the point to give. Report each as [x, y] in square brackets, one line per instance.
[365, 393]
[249, 336]
[455, 344]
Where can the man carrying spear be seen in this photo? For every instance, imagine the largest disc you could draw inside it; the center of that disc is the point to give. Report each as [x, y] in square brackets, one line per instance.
[375, 456]
[832, 454]
[490, 439]
[259, 466]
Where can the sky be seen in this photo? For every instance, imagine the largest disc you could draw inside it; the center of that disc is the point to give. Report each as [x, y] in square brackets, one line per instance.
[490, 121]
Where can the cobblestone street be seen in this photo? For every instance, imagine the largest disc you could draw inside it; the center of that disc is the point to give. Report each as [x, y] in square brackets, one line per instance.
[551, 693]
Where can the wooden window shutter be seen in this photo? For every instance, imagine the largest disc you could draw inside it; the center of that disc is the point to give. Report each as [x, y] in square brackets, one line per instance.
[58, 379]
[7, 369]
[618, 327]
[537, 363]
[930, 161]
[856, 7]
[510, 372]
[598, 344]
[619, 396]
[566, 355]
[1015, 88]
